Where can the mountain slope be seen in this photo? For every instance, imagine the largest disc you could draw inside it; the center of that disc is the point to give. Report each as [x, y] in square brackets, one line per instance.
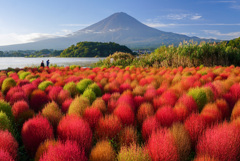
[119, 27]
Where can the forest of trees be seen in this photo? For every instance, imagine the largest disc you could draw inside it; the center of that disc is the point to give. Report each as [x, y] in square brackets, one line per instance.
[31, 53]
[92, 49]
[234, 43]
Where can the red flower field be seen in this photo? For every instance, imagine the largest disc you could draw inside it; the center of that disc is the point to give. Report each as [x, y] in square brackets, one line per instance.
[117, 113]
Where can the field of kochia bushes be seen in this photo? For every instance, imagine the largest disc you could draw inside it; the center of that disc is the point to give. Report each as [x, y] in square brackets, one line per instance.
[124, 114]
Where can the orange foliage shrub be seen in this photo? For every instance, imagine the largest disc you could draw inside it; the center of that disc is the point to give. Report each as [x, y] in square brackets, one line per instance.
[102, 151]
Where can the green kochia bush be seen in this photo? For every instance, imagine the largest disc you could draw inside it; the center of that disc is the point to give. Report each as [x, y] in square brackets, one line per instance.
[23, 75]
[43, 85]
[78, 105]
[6, 108]
[7, 84]
[89, 94]
[200, 97]
[83, 84]
[96, 89]
[71, 87]
[5, 123]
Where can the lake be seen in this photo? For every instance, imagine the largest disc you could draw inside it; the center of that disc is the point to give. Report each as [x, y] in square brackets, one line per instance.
[21, 62]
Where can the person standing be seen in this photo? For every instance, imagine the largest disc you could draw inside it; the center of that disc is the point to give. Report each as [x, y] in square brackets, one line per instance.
[47, 62]
[42, 64]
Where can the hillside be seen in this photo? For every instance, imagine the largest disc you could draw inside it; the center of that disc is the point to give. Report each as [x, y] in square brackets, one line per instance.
[119, 28]
[234, 43]
[92, 49]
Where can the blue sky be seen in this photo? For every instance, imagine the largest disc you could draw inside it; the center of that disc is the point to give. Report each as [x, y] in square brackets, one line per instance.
[29, 20]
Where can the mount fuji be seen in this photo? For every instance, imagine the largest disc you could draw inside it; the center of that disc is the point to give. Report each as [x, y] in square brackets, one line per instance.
[119, 28]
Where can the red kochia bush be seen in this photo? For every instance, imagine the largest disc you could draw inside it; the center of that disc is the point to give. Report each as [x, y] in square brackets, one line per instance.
[166, 116]
[22, 82]
[36, 82]
[108, 127]
[161, 146]
[145, 110]
[125, 86]
[138, 100]
[128, 136]
[43, 148]
[181, 112]
[195, 125]
[211, 113]
[150, 94]
[92, 115]
[5, 156]
[112, 104]
[28, 88]
[53, 93]
[189, 102]
[149, 125]
[35, 131]
[223, 107]
[38, 99]
[221, 142]
[19, 107]
[17, 97]
[62, 96]
[73, 127]
[167, 98]
[125, 113]
[66, 104]
[11, 92]
[8, 144]
[127, 99]
[106, 97]
[233, 95]
[68, 151]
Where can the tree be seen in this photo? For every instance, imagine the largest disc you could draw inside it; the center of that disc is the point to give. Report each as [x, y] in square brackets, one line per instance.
[92, 49]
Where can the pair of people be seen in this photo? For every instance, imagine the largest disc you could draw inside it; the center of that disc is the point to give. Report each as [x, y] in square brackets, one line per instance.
[47, 62]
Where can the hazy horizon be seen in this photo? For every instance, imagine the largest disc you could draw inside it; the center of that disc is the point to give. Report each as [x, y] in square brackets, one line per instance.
[28, 21]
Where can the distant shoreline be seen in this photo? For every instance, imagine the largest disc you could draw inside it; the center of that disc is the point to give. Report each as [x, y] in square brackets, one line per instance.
[21, 62]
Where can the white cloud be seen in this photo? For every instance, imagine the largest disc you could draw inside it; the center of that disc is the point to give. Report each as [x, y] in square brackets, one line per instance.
[177, 16]
[230, 35]
[196, 17]
[183, 16]
[14, 38]
[159, 25]
[75, 25]
[188, 33]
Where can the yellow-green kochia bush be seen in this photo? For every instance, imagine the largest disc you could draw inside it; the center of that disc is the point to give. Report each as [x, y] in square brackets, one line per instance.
[83, 84]
[88, 93]
[52, 112]
[96, 89]
[133, 153]
[78, 105]
[23, 75]
[6, 108]
[200, 97]
[71, 87]
[74, 66]
[43, 85]
[5, 123]
[7, 84]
